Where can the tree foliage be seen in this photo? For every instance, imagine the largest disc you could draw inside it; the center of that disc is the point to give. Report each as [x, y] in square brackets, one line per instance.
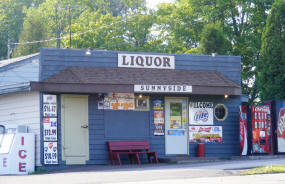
[271, 67]
[231, 27]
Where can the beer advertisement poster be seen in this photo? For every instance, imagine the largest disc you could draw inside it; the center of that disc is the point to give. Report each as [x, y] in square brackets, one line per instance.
[281, 130]
[50, 129]
[158, 118]
[201, 113]
[116, 101]
[49, 106]
[205, 134]
[50, 153]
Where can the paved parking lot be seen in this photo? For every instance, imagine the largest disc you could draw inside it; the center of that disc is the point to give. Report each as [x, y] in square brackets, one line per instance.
[225, 172]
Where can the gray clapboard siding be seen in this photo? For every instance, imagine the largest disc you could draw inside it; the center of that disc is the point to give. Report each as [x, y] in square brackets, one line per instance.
[22, 109]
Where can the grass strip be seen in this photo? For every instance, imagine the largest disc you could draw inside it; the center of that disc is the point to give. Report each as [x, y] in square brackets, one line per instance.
[265, 170]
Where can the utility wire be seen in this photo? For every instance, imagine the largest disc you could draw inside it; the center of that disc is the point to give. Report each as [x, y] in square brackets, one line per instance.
[67, 36]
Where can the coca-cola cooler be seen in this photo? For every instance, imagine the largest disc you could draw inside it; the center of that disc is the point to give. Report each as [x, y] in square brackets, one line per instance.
[261, 129]
[243, 130]
[280, 125]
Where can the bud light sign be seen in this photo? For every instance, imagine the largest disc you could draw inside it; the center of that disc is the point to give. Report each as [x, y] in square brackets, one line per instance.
[201, 113]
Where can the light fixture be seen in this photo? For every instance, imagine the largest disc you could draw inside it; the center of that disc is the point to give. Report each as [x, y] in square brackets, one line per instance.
[226, 96]
[88, 52]
[140, 95]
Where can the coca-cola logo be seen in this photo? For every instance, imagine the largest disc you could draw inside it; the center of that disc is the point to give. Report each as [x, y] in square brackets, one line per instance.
[201, 115]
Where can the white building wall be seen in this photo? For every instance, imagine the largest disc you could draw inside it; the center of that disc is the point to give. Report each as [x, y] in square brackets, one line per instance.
[22, 109]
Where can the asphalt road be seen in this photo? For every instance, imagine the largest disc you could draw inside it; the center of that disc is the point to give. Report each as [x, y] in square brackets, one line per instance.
[225, 172]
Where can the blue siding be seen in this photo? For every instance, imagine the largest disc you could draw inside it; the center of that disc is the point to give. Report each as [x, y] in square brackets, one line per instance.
[107, 125]
[55, 60]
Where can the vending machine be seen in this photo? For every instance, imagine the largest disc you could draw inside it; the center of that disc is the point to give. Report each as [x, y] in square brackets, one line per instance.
[280, 125]
[261, 129]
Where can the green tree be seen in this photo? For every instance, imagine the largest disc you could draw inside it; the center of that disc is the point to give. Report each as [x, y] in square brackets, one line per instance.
[11, 21]
[271, 67]
[34, 28]
[213, 40]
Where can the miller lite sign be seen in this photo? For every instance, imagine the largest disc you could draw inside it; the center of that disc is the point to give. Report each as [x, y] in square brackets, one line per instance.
[201, 113]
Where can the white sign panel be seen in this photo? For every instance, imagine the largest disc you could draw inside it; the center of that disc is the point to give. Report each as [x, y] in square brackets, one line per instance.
[49, 99]
[146, 61]
[49, 106]
[50, 129]
[116, 101]
[163, 88]
[201, 113]
[18, 156]
[50, 153]
[205, 134]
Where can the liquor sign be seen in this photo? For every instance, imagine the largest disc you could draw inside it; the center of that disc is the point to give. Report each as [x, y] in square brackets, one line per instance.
[50, 153]
[146, 61]
[281, 130]
[243, 129]
[116, 101]
[163, 88]
[198, 134]
[201, 113]
[261, 129]
[50, 129]
[49, 106]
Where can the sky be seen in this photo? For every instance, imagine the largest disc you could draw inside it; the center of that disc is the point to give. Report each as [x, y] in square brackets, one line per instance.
[153, 3]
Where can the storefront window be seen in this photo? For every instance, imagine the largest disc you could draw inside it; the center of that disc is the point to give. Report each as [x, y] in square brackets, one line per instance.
[221, 112]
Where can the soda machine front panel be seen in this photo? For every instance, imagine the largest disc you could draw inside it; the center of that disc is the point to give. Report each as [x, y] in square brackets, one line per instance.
[261, 129]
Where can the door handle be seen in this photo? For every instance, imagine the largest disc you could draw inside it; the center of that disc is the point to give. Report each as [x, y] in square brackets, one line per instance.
[84, 126]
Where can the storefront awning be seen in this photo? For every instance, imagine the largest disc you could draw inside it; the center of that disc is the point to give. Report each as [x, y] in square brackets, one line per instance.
[123, 80]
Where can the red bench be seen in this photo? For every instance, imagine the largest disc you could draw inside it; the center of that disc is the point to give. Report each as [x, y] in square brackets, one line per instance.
[131, 148]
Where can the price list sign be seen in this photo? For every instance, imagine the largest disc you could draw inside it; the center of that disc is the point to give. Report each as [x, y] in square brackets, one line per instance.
[50, 153]
[50, 129]
[49, 106]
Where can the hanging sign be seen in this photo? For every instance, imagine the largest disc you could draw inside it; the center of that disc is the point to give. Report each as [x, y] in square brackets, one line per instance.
[201, 113]
[50, 153]
[146, 61]
[205, 134]
[49, 106]
[50, 129]
[158, 118]
[162, 88]
[116, 101]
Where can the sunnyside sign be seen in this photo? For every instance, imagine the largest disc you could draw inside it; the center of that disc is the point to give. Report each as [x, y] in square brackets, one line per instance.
[146, 61]
[162, 88]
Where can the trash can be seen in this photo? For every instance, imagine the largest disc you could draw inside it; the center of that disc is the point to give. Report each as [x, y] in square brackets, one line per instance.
[201, 150]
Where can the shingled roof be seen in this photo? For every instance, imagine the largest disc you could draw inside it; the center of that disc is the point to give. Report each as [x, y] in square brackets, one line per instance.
[106, 79]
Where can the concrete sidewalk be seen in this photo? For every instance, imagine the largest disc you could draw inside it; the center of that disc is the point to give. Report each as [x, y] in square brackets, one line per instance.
[234, 163]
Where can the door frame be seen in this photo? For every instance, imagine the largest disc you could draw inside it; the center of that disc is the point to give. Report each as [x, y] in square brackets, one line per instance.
[62, 112]
[187, 124]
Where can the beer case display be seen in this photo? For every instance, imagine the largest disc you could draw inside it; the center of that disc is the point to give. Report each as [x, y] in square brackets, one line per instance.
[261, 129]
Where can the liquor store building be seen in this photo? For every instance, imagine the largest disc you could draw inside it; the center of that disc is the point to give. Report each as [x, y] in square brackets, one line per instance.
[77, 100]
